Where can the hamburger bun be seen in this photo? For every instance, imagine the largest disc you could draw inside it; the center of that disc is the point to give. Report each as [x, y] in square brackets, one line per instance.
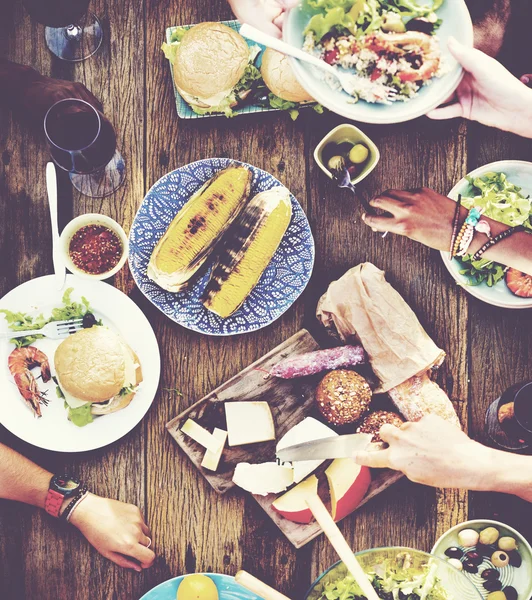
[343, 397]
[210, 60]
[278, 75]
[94, 365]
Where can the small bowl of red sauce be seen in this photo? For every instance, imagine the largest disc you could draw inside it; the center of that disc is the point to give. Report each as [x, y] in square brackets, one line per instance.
[94, 246]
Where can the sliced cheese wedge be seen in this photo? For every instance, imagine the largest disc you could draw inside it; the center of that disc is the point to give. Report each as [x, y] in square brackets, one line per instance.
[264, 478]
[307, 430]
[211, 460]
[202, 436]
[249, 423]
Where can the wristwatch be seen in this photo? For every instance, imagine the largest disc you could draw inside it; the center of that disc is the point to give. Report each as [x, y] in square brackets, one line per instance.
[61, 487]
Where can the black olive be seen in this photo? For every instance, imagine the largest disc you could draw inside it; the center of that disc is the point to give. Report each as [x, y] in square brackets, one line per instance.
[421, 24]
[89, 320]
[470, 567]
[490, 574]
[454, 552]
[493, 585]
[510, 593]
[474, 557]
[515, 559]
[484, 550]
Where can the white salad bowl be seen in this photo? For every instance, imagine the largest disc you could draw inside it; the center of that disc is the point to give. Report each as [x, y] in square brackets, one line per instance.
[518, 172]
[456, 22]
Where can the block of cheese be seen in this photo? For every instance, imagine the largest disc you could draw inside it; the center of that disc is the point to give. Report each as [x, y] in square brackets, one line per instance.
[249, 423]
[201, 436]
[211, 460]
[307, 430]
[264, 478]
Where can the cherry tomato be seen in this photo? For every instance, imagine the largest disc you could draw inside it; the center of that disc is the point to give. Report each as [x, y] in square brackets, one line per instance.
[331, 56]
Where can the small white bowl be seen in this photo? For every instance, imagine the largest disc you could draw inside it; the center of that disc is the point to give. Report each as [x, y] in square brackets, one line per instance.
[520, 578]
[348, 133]
[91, 219]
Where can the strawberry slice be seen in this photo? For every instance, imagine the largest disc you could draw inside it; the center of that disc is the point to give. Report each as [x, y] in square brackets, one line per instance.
[519, 283]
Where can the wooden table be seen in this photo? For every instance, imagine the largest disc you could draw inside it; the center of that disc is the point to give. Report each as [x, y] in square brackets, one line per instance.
[194, 529]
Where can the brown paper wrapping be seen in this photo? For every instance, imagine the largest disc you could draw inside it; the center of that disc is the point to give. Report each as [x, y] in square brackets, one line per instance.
[363, 305]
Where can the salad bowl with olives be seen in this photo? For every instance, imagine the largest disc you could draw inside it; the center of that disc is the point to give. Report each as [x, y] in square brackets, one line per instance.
[496, 558]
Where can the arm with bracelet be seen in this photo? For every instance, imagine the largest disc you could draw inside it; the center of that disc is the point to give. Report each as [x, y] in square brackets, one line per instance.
[117, 530]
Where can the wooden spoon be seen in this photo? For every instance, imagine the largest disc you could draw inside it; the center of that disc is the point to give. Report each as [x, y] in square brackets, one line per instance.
[339, 543]
[258, 587]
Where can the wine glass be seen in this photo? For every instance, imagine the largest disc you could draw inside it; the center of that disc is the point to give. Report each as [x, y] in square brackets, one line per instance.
[509, 418]
[83, 142]
[71, 33]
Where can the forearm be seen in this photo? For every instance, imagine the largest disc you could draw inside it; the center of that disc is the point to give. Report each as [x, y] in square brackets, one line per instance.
[514, 251]
[512, 474]
[14, 79]
[21, 479]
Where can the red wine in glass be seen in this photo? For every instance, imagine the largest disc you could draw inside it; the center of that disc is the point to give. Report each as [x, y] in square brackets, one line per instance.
[83, 142]
[71, 33]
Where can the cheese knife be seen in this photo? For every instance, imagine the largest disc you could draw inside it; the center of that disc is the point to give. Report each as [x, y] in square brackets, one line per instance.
[339, 446]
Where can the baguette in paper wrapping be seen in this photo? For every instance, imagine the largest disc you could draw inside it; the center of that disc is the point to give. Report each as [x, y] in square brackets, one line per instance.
[363, 305]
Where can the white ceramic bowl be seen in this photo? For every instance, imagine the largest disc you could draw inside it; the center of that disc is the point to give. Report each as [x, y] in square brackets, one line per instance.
[520, 579]
[456, 22]
[92, 219]
[520, 173]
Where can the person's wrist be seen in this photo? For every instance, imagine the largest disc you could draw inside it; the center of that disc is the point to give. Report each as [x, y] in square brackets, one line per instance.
[523, 118]
[77, 516]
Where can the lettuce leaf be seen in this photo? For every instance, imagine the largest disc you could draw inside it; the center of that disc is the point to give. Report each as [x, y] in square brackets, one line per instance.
[80, 416]
[500, 199]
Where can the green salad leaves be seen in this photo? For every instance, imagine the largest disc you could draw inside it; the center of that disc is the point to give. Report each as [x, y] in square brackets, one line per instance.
[18, 321]
[80, 416]
[481, 271]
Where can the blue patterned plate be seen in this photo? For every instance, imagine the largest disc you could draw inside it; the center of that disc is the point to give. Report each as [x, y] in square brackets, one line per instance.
[281, 284]
[228, 589]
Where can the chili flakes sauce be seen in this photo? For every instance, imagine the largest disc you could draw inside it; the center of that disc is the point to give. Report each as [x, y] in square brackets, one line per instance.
[95, 249]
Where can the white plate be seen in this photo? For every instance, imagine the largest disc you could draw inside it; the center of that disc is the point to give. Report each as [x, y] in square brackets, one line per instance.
[53, 431]
[520, 173]
[456, 22]
[519, 578]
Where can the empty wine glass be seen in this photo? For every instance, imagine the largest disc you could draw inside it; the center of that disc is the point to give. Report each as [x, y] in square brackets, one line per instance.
[71, 33]
[83, 142]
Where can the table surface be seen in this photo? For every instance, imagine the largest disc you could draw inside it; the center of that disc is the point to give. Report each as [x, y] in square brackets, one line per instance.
[488, 348]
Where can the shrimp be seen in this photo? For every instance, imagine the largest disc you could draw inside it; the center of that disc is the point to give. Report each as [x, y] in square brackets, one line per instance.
[20, 363]
[404, 44]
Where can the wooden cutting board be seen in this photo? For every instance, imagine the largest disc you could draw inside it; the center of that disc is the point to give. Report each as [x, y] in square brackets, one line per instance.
[290, 401]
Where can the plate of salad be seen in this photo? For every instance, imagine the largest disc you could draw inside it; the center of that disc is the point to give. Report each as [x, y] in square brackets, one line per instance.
[504, 190]
[64, 426]
[394, 50]
[396, 573]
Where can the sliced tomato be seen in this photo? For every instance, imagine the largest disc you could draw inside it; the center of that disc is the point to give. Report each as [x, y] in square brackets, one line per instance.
[519, 283]
[375, 75]
[331, 56]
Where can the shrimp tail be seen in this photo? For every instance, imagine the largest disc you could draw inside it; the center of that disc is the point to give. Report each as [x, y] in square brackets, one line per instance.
[27, 386]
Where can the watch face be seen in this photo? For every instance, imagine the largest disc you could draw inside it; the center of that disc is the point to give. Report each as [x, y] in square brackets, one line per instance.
[65, 484]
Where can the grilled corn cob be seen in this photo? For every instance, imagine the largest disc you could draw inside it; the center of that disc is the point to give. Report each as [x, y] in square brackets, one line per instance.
[248, 248]
[198, 226]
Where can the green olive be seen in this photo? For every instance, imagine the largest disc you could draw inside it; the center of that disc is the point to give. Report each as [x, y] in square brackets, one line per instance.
[358, 154]
[489, 536]
[500, 559]
[336, 163]
[497, 596]
[393, 23]
[507, 544]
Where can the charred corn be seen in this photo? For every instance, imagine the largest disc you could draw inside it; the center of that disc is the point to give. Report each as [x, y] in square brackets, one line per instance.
[198, 226]
[248, 247]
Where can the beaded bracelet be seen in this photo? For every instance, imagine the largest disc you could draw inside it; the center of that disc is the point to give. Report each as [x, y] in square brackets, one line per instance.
[456, 221]
[80, 495]
[465, 235]
[494, 240]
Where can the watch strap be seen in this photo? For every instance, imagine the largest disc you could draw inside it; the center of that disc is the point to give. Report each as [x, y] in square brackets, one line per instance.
[53, 503]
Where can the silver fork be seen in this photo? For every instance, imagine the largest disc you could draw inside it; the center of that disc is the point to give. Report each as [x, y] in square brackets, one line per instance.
[348, 81]
[56, 330]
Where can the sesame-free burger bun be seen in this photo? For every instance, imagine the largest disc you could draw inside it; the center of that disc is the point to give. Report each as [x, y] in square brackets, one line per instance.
[278, 75]
[210, 59]
[94, 364]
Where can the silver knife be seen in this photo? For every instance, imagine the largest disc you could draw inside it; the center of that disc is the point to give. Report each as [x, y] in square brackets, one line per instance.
[339, 446]
[51, 187]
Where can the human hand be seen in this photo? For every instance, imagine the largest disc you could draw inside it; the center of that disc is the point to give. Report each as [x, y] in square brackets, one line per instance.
[40, 93]
[422, 215]
[117, 530]
[266, 15]
[488, 93]
[433, 452]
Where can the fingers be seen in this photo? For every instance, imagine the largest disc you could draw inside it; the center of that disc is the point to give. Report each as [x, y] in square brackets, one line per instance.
[124, 561]
[144, 555]
[388, 203]
[379, 459]
[451, 111]
[526, 79]
[378, 223]
[145, 529]
[468, 57]
[389, 433]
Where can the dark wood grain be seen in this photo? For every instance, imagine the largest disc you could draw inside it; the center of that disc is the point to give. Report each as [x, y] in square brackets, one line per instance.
[194, 528]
